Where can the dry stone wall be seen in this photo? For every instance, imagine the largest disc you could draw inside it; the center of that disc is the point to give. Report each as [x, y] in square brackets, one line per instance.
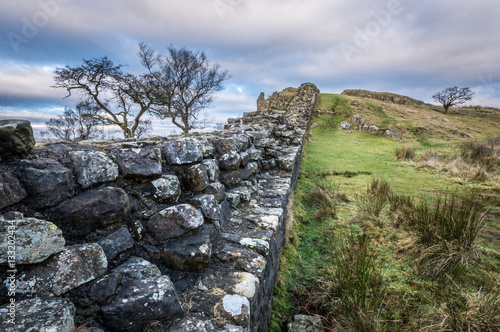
[178, 233]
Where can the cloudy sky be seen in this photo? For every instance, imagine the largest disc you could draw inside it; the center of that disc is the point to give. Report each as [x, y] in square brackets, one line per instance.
[415, 48]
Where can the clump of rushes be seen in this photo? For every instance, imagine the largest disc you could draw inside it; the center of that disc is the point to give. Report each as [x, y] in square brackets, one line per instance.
[323, 196]
[447, 231]
[357, 286]
[371, 205]
[406, 152]
[466, 311]
[485, 154]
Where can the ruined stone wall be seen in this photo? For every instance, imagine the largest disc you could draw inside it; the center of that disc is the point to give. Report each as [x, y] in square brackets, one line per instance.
[171, 234]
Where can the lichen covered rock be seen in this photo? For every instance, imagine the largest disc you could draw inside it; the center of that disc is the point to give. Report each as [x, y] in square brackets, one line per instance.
[35, 240]
[93, 167]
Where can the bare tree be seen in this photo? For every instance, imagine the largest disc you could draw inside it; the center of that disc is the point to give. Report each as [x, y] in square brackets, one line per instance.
[145, 128]
[118, 99]
[453, 96]
[75, 125]
[184, 82]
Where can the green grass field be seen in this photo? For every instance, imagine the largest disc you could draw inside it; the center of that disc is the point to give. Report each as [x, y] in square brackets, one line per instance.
[388, 286]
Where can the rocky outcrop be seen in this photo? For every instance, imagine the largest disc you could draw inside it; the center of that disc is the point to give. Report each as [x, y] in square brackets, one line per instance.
[185, 232]
[384, 96]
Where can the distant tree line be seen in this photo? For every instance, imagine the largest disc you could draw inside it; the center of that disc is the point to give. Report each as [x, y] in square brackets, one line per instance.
[176, 86]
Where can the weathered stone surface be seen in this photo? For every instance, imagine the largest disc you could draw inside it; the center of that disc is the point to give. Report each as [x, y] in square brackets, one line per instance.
[245, 193]
[250, 170]
[166, 189]
[16, 137]
[183, 151]
[35, 240]
[140, 301]
[195, 178]
[254, 154]
[231, 178]
[175, 221]
[11, 190]
[240, 283]
[105, 287]
[230, 161]
[54, 315]
[237, 309]
[93, 167]
[116, 242]
[265, 221]
[194, 324]
[217, 189]
[208, 206]
[287, 161]
[212, 167]
[140, 163]
[138, 268]
[225, 145]
[233, 198]
[190, 253]
[234, 308]
[344, 125]
[305, 323]
[242, 259]
[90, 210]
[62, 272]
[46, 181]
[261, 246]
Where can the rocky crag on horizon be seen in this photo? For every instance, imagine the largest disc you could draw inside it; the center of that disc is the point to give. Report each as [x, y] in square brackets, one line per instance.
[180, 232]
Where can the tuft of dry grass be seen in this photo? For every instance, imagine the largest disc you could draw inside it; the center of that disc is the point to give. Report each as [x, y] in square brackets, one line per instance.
[370, 205]
[406, 152]
[466, 311]
[323, 196]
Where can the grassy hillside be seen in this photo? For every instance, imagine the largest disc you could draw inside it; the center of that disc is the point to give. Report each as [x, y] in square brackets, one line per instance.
[395, 235]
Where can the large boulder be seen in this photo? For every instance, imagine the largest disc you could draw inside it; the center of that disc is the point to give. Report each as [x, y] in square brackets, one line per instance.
[16, 137]
[140, 301]
[51, 314]
[93, 167]
[62, 272]
[92, 209]
[35, 240]
[140, 163]
[46, 181]
[11, 190]
[183, 151]
[174, 221]
[195, 178]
